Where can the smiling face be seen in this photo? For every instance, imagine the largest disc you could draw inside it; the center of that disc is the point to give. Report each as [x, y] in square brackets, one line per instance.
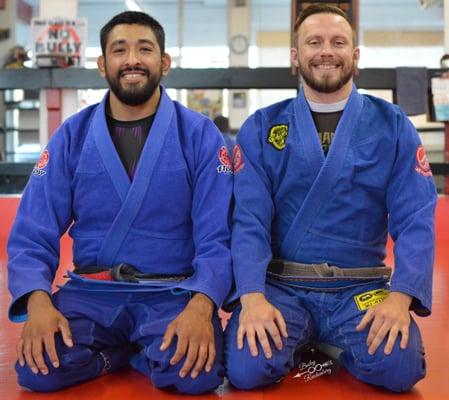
[325, 54]
[133, 64]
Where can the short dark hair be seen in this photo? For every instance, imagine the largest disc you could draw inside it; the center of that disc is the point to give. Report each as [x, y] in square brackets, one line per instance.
[129, 18]
[322, 9]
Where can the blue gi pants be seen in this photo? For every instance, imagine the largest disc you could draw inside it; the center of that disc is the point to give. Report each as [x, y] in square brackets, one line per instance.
[328, 317]
[104, 324]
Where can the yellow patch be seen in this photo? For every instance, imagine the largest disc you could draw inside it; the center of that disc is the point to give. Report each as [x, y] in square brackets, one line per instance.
[278, 136]
[370, 299]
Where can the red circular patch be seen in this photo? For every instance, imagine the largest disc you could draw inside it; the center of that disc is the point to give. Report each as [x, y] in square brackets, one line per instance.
[224, 158]
[237, 159]
[421, 157]
[43, 160]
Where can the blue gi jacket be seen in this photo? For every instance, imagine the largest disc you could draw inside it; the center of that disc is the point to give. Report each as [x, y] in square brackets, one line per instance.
[294, 203]
[171, 219]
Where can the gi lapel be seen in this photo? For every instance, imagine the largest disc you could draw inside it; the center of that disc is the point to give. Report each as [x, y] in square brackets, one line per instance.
[137, 190]
[108, 153]
[329, 171]
[308, 137]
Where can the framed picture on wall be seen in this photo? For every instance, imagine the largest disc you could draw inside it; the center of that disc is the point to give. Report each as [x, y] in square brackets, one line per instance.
[239, 100]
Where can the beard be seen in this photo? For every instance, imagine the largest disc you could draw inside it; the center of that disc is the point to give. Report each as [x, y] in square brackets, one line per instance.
[134, 94]
[326, 83]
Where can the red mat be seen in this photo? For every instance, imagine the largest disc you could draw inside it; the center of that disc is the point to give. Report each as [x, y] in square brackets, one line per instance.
[129, 384]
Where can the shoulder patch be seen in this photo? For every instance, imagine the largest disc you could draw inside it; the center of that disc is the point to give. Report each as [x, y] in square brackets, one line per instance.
[43, 160]
[237, 159]
[41, 163]
[225, 166]
[277, 136]
[422, 163]
[370, 299]
[223, 156]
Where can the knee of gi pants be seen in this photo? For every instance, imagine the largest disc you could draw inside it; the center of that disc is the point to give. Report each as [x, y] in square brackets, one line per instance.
[77, 364]
[205, 382]
[156, 365]
[74, 367]
[398, 371]
[247, 372]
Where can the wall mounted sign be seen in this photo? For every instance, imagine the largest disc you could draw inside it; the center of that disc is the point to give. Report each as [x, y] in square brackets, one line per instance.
[59, 42]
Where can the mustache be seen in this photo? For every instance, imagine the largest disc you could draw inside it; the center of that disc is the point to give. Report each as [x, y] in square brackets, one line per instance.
[134, 69]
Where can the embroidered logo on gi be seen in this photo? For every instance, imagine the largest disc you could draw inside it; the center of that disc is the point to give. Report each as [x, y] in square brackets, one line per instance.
[370, 299]
[41, 164]
[237, 159]
[423, 166]
[225, 166]
[277, 136]
[223, 156]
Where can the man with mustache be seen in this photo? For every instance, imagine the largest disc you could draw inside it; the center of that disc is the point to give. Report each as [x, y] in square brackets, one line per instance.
[144, 186]
[319, 181]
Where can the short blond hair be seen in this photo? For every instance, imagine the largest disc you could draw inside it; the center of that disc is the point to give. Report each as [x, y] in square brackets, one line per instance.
[322, 9]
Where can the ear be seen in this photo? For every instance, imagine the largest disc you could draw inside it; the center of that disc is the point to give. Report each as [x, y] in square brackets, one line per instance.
[101, 66]
[294, 57]
[166, 63]
[356, 55]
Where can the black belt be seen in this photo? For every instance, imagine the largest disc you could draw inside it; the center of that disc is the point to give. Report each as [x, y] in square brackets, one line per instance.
[123, 273]
[323, 270]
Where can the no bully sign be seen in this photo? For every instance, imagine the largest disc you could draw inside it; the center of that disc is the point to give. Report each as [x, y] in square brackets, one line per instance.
[59, 42]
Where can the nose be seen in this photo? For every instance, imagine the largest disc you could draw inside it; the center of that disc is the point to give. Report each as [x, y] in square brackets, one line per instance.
[133, 57]
[326, 49]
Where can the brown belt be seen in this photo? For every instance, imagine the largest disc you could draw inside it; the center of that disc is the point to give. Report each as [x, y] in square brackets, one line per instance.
[323, 270]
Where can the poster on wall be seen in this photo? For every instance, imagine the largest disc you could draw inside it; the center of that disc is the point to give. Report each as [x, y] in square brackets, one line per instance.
[59, 42]
[207, 102]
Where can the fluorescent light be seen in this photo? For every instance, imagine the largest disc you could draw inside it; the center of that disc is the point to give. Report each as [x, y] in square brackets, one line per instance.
[133, 5]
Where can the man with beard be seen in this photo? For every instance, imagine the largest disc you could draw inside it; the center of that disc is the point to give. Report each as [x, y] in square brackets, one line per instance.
[144, 185]
[319, 181]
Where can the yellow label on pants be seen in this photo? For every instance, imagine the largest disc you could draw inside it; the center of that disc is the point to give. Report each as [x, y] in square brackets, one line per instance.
[370, 299]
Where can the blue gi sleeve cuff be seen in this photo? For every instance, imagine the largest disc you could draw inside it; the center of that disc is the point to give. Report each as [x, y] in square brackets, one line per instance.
[251, 288]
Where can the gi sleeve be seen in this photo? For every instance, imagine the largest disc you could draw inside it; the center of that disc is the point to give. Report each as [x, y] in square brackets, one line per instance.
[411, 201]
[43, 215]
[212, 192]
[254, 209]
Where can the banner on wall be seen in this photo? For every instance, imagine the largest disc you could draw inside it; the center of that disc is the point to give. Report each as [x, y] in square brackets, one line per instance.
[59, 42]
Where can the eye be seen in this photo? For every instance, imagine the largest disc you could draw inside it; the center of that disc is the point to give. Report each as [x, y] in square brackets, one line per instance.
[313, 42]
[340, 43]
[146, 49]
[118, 50]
